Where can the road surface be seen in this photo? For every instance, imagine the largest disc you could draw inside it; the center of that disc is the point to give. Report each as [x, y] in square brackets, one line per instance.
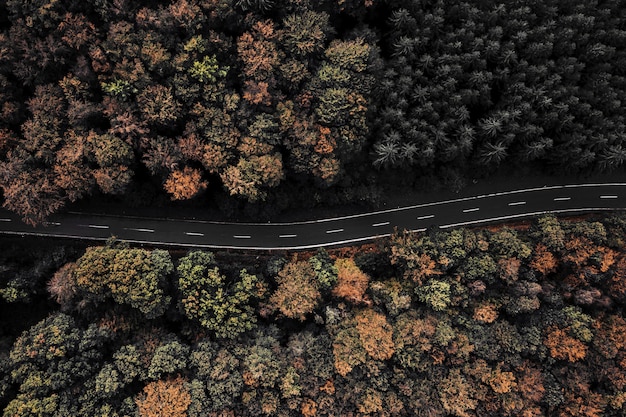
[467, 211]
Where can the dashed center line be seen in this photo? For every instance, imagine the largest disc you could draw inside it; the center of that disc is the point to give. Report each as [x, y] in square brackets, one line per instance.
[287, 236]
[139, 230]
[194, 234]
[97, 226]
[608, 196]
[5, 220]
[562, 198]
[52, 224]
[430, 216]
[380, 224]
[471, 209]
[334, 231]
[517, 203]
[242, 237]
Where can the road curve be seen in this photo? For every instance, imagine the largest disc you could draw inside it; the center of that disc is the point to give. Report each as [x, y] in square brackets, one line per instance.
[467, 211]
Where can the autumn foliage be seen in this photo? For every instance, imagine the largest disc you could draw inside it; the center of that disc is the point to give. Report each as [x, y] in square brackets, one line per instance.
[297, 293]
[164, 398]
[563, 346]
[375, 334]
[343, 332]
[185, 184]
[351, 281]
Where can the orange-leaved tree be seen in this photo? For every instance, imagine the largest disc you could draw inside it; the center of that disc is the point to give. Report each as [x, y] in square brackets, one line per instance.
[351, 281]
[185, 184]
[164, 398]
[564, 346]
[297, 293]
[543, 260]
[375, 333]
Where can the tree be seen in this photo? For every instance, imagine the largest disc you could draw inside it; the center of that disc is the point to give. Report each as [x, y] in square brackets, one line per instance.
[49, 358]
[550, 232]
[62, 286]
[33, 194]
[222, 306]
[250, 175]
[348, 350]
[375, 334]
[207, 70]
[324, 268]
[507, 244]
[298, 290]
[456, 394]
[543, 260]
[563, 346]
[159, 106]
[304, 33]
[130, 276]
[351, 281]
[109, 150]
[185, 184]
[435, 293]
[164, 398]
[72, 174]
[217, 370]
[168, 358]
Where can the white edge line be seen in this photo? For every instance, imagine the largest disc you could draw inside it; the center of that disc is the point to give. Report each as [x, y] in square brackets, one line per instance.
[517, 203]
[334, 231]
[380, 224]
[393, 210]
[608, 196]
[514, 216]
[430, 216]
[319, 245]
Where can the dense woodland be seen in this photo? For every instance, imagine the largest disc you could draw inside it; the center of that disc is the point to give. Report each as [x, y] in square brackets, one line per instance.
[244, 103]
[486, 322]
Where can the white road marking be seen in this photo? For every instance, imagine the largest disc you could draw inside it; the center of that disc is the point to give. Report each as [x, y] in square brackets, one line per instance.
[529, 214]
[380, 224]
[430, 216]
[415, 206]
[5, 220]
[311, 246]
[562, 198]
[471, 210]
[52, 223]
[242, 237]
[97, 226]
[334, 231]
[139, 230]
[517, 203]
[286, 236]
[194, 234]
[608, 196]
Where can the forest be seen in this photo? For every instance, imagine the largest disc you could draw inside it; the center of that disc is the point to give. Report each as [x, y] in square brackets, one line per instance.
[525, 320]
[241, 104]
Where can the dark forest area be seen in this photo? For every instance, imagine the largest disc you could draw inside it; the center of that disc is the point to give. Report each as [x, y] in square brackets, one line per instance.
[244, 104]
[519, 321]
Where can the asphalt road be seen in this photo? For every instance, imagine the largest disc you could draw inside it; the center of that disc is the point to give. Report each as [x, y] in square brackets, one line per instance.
[497, 207]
